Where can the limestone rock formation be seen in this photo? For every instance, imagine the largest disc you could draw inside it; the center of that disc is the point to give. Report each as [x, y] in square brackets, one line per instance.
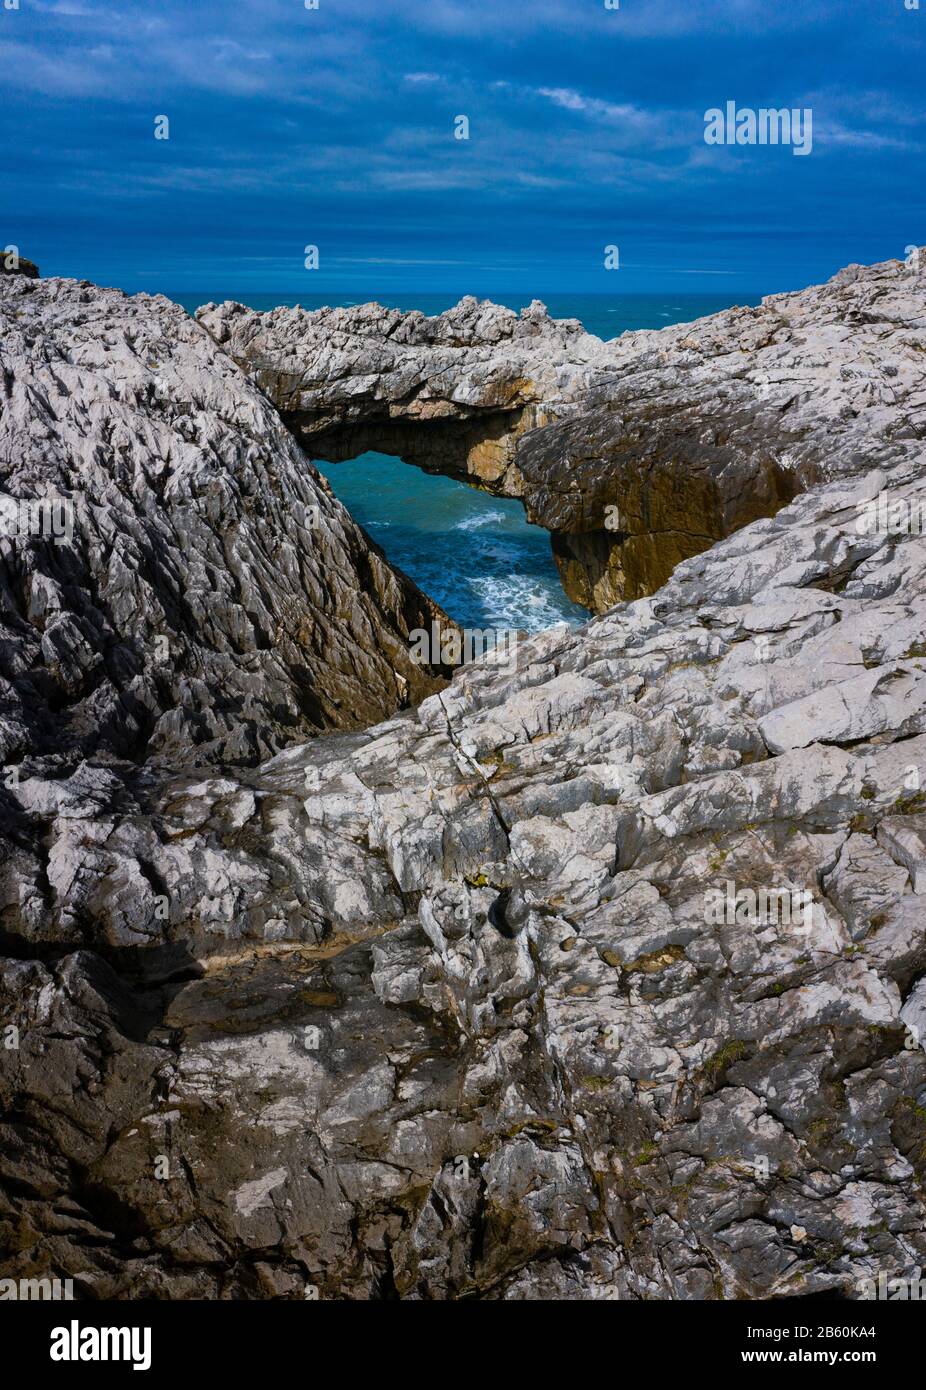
[193, 581]
[634, 453]
[494, 999]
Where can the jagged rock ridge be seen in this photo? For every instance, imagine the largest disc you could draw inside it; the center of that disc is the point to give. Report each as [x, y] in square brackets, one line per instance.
[438, 1010]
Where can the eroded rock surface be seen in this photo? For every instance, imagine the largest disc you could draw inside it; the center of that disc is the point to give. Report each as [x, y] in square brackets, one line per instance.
[195, 583]
[464, 1005]
[634, 453]
[438, 1010]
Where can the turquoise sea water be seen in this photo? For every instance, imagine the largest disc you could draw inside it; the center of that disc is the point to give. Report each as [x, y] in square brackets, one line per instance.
[473, 554]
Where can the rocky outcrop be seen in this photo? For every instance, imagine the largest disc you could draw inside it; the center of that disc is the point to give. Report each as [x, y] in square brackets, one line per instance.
[448, 1009]
[175, 573]
[11, 263]
[597, 977]
[634, 453]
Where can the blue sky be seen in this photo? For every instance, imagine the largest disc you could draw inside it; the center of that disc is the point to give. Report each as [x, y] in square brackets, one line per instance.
[334, 127]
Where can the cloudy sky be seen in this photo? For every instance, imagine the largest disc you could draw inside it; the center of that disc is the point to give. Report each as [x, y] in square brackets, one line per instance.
[335, 127]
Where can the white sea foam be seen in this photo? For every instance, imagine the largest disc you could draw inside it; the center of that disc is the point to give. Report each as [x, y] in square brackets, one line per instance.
[516, 601]
[472, 523]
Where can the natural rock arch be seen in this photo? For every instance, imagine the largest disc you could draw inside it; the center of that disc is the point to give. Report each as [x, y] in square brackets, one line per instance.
[634, 454]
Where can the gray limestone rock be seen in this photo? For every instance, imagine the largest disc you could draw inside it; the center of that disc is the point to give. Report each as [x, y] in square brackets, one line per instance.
[192, 582]
[601, 978]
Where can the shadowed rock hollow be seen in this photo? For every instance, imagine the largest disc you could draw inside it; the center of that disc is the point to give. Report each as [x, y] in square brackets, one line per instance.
[438, 1010]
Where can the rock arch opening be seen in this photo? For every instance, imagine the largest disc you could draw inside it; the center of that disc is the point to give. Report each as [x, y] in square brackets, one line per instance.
[634, 453]
[472, 552]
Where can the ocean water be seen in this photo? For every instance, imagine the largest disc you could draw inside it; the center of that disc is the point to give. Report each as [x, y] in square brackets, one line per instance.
[475, 555]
